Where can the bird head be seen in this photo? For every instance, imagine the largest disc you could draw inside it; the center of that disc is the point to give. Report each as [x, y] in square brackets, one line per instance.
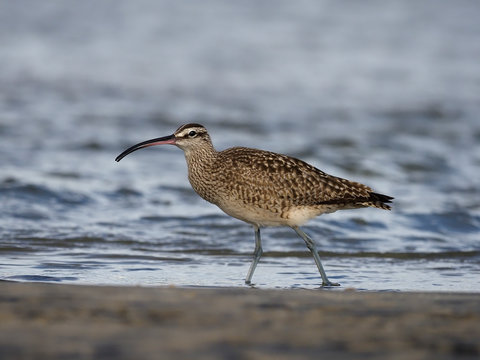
[187, 137]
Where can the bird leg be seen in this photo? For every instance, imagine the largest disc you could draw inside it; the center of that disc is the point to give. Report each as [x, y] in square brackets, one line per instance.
[313, 248]
[256, 255]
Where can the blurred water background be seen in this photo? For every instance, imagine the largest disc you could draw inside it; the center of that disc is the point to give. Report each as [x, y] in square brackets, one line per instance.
[382, 92]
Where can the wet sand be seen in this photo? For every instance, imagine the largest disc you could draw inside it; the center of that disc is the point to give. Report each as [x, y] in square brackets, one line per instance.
[49, 321]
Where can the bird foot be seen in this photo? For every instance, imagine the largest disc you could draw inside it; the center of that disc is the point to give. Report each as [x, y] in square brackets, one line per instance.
[329, 284]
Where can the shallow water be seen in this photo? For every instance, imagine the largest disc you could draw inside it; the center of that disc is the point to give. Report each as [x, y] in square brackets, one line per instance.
[382, 93]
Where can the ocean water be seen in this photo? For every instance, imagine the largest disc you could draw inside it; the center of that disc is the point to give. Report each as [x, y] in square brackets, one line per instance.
[384, 93]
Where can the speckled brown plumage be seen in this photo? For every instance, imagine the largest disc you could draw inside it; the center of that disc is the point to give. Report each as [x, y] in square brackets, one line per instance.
[264, 188]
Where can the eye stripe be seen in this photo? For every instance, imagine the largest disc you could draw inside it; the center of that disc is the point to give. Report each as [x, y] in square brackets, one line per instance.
[191, 132]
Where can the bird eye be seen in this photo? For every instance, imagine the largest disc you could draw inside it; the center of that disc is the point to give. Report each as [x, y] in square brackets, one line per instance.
[192, 133]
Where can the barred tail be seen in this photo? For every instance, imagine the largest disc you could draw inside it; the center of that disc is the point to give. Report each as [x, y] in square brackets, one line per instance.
[379, 201]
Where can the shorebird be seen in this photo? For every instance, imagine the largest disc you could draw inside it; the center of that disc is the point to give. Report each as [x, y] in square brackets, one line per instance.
[264, 188]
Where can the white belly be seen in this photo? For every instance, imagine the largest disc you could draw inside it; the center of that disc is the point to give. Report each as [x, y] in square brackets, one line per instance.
[261, 217]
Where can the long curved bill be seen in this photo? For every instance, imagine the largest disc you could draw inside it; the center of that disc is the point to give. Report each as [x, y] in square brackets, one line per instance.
[170, 139]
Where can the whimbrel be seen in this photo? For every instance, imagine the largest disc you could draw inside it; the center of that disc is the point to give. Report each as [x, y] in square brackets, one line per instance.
[264, 188]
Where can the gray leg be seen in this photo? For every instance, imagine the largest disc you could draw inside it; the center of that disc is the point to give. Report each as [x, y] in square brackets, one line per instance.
[256, 255]
[313, 248]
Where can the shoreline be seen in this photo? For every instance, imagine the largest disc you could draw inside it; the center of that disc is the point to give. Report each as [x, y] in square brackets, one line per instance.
[54, 321]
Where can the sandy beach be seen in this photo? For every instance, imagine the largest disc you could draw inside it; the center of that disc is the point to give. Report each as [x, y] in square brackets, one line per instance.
[50, 321]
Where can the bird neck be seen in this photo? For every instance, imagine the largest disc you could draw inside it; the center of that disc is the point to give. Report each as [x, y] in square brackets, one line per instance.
[201, 168]
[200, 156]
